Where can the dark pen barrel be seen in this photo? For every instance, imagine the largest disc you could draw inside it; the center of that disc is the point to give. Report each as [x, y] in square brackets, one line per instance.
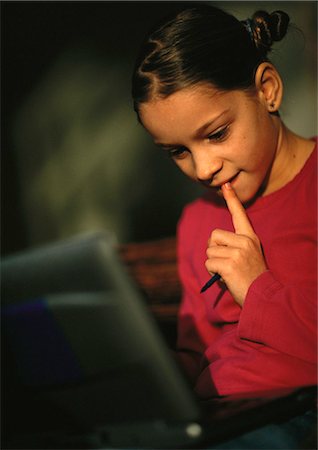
[211, 281]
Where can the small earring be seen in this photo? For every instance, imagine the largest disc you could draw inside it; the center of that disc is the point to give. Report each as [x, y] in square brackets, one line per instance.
[273, 109]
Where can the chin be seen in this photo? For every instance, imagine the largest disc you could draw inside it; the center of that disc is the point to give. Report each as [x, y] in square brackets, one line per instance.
[247, 199]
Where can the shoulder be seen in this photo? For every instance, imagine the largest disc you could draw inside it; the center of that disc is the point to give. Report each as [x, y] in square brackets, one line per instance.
[201, 213]
[308, 174]
[192, 211]
[194, 227]
[313, 157]
[195, 211]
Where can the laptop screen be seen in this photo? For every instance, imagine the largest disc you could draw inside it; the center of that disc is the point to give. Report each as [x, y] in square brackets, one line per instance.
[81, 348]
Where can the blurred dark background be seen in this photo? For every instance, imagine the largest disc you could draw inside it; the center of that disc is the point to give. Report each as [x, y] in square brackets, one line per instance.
[74, 158]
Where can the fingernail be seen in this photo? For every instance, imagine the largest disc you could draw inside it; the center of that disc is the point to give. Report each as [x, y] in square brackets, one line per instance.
[228, 185]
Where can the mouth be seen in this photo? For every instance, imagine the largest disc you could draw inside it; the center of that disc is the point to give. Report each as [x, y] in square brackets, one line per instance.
[229, 180]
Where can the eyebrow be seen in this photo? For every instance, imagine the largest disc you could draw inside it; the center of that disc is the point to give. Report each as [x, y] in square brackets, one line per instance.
[199, 131]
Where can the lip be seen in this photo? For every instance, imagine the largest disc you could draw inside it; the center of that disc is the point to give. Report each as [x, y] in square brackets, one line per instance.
[229, 180]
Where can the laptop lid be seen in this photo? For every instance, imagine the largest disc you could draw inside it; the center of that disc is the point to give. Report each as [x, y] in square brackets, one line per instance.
[82, 349]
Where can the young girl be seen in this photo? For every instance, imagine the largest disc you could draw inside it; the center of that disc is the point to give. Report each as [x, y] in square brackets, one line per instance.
[205, 90]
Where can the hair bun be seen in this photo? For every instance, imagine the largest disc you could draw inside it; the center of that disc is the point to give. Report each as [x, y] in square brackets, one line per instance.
[268, 28]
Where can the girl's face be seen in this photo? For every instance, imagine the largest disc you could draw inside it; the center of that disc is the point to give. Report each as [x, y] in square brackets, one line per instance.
[216, 136]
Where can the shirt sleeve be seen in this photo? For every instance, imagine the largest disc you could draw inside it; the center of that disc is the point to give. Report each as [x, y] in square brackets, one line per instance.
[281, 317]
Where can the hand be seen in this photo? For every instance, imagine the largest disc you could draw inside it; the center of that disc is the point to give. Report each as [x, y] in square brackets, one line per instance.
[238, 256]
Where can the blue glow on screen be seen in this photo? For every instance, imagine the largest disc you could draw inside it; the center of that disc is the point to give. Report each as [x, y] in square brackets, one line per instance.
[41, 351]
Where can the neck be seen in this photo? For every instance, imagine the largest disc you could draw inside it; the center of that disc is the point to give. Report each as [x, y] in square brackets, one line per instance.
[292, 152]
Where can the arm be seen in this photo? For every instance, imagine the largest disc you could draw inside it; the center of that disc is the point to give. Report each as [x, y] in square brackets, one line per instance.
[277, 311]
[283, 317]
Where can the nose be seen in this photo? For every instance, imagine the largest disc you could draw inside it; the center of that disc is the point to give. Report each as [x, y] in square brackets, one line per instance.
[206, 165]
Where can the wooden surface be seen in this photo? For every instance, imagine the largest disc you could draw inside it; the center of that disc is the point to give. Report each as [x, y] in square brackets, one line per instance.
[153, 266]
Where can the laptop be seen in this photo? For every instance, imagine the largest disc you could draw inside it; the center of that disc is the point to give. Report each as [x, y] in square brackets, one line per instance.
[84, 364]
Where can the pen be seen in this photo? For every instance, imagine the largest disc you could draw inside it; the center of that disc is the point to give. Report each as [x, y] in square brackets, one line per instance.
[211, 281]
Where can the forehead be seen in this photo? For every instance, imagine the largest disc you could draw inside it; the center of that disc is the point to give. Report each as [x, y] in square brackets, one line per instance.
[185, 97]
[186, 109]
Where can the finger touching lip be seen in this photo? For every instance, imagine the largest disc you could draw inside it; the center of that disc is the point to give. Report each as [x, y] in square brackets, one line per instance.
[228, 180]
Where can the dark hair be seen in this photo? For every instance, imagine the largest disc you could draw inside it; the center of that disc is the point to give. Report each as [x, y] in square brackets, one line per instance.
[204, 44]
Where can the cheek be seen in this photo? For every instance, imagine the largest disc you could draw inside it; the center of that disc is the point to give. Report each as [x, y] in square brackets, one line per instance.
[186, 166]
[258, 153]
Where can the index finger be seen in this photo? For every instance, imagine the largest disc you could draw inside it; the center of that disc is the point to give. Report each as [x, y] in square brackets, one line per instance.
[241, 222]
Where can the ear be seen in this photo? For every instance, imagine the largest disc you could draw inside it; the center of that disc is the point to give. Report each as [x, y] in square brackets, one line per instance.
[269, 86]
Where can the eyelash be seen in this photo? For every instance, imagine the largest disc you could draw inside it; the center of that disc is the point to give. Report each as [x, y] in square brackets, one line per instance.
[219, 136]
[176, 152]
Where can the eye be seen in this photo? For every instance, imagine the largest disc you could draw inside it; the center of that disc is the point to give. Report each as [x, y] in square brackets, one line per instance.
[177, 152]
[219, 136]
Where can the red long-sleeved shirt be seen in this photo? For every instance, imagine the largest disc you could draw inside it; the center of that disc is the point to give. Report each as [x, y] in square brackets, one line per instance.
[271, 341]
